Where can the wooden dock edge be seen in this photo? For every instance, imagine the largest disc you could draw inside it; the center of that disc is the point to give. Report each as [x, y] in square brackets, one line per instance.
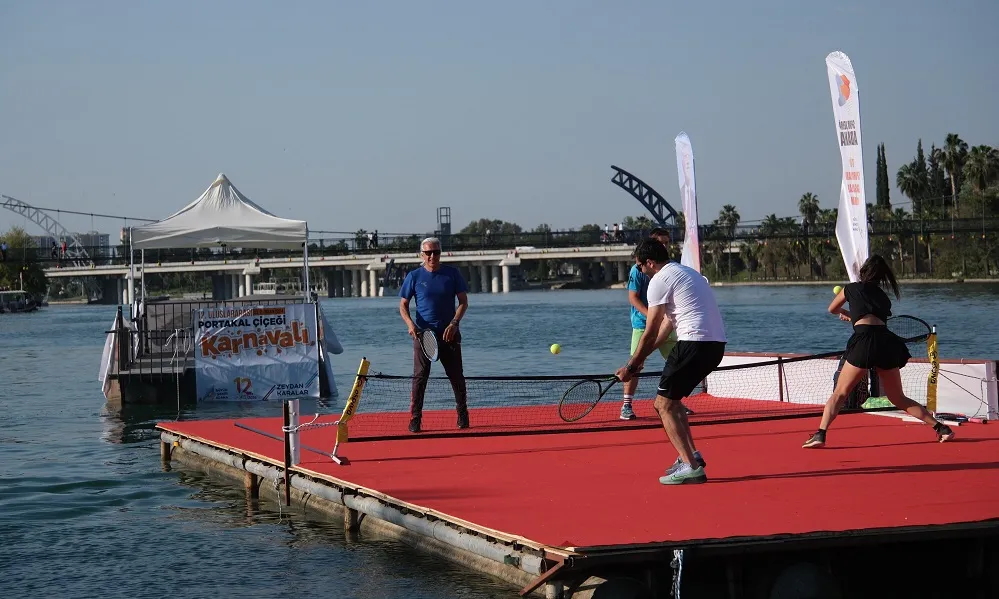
[526, 569]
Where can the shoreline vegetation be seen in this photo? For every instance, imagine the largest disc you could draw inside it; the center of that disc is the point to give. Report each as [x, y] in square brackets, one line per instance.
[944, 230]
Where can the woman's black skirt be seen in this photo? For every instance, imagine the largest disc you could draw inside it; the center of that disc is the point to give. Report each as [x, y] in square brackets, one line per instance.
[874, 346]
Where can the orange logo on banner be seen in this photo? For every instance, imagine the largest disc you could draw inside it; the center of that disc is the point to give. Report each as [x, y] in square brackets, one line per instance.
[844, 89]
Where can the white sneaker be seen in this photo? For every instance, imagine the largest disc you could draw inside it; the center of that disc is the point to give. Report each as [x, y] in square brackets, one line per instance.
[685, 475]
[679, 462]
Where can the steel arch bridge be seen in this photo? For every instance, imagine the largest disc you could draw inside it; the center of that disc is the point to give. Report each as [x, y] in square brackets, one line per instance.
[663, 214]
[75, 250]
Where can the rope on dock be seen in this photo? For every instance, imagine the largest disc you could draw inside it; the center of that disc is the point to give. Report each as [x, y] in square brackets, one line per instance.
[311, 424]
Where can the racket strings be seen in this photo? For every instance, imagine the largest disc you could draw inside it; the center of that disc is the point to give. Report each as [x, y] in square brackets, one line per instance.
[428, 341]
[908, 329]
[579, 400]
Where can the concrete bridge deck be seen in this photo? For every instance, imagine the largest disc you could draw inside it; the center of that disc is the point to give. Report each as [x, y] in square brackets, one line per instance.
[363, 275]
[241, 265]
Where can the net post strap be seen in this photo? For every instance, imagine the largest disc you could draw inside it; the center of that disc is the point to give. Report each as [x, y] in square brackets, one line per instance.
[349, 410]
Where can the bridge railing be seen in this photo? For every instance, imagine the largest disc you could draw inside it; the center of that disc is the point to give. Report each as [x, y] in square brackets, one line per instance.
[344, 244]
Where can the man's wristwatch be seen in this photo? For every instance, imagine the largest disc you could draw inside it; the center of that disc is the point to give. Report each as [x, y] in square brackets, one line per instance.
[630, 368]
[454, 322]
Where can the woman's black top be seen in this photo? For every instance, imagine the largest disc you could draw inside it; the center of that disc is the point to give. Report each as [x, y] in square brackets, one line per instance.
[867, 298]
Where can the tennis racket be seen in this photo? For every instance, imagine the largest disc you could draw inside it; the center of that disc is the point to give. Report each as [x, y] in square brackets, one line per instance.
[960, 418]
[909, 328]
[428, 343]
[580, 399]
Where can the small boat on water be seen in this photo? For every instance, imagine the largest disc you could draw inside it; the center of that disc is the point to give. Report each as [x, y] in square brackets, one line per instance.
[16, 302]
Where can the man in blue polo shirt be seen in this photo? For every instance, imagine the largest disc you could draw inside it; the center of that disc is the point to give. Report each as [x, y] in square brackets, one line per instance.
[436, 287]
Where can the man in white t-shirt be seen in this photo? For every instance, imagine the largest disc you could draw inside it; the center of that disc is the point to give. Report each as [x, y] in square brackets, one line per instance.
[679, 297]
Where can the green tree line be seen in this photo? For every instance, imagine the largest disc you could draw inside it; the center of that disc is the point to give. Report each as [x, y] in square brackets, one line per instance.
[945, 225]
[20, 268]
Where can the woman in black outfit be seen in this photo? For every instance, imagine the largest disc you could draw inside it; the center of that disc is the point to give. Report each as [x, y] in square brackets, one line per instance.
[872, 345]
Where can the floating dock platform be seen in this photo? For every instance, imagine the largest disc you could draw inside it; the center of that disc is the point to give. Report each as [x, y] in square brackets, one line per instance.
[884, 510]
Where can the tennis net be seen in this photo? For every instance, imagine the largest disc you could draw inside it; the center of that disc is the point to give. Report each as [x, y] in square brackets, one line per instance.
[745, 387]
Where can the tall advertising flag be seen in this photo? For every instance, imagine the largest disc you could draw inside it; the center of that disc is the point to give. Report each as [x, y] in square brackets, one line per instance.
[851, 224]
[691, 255]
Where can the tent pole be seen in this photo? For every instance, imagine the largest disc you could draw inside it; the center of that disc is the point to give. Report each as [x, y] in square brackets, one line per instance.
[142, 293]
[131, 273]
[305, 262]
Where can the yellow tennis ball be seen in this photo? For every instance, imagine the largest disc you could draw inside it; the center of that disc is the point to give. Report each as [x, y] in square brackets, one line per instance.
[556, 348]
[837, 289]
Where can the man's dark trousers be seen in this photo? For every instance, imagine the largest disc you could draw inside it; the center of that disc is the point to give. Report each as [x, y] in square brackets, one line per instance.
[450, 358]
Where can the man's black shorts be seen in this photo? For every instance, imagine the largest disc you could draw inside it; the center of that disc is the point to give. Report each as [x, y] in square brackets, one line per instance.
[688, 364]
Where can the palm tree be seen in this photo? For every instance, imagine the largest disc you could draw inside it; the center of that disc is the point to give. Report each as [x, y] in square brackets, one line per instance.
[808, 205]
[769, 253]
[910, 184]
[900, 221]
[824, 249]
[750, 251]
[955, 152]
[981, 167]
[728, 220]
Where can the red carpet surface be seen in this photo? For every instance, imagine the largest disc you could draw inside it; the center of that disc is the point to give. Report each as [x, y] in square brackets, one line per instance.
[599, 489]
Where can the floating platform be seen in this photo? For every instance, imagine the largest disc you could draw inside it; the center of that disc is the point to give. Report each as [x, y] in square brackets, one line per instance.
[883, 510]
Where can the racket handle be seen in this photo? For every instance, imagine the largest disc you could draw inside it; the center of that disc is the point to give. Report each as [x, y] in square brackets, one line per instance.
[979, 420]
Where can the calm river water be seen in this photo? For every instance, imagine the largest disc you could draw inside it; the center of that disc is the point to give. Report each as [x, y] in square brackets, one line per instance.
[86, 509]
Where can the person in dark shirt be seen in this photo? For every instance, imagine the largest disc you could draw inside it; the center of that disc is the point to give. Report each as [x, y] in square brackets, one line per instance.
[872, 346]
[436, 287]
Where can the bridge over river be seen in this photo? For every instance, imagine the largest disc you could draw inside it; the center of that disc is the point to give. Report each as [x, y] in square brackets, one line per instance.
[492, 270]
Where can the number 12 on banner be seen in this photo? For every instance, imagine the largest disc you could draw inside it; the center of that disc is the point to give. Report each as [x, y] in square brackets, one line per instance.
[243, 385]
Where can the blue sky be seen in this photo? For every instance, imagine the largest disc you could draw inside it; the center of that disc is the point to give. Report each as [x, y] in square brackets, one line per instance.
[371, 115]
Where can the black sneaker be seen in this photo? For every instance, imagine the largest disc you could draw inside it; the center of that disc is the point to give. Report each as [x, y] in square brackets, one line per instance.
[463, 419]
[414, 425]
[816, 440]
[944, 432]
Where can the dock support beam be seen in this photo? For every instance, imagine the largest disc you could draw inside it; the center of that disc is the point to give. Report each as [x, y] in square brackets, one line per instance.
[553, 590]
[252, 483]
[351, 521]
[165, 451]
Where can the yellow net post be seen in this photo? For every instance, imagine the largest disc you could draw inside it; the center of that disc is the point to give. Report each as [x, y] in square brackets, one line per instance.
[931, 379]
[349, 410]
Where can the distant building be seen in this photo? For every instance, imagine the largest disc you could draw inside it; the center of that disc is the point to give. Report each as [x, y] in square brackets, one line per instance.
[44, 241]
[97, 245]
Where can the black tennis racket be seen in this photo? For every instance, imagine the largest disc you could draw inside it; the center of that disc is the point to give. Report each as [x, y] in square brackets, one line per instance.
[909, 328]
[428, 343]
[580, 399]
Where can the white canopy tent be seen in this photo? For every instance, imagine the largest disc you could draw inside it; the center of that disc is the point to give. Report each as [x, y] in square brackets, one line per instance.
[223, 216]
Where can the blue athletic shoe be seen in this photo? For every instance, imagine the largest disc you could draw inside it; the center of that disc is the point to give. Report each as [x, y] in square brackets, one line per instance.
[627, 413]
